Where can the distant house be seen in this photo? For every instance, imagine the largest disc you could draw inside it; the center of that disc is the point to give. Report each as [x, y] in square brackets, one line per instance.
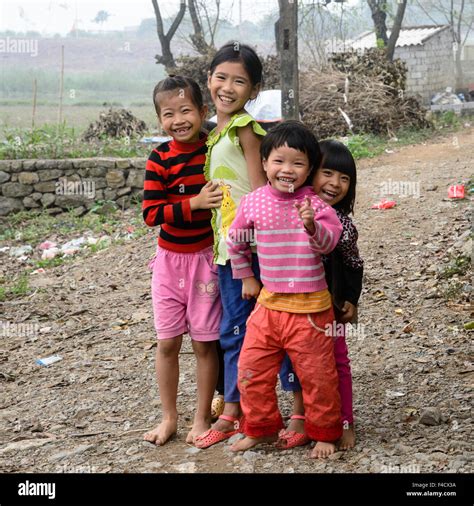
[427, 52]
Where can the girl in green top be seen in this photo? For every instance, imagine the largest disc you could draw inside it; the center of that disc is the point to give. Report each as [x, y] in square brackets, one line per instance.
[233, 161]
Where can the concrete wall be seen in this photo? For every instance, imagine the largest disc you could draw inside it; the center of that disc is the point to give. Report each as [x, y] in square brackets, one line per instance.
[59, 185]
[430, 66]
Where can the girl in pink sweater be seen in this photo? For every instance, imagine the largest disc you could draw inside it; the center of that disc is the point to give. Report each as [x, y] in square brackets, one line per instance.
[292, 228]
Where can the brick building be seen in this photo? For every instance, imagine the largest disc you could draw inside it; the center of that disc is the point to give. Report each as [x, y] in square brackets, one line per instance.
[428, 54]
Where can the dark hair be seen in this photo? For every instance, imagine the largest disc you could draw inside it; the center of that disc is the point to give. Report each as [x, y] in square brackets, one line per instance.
[295, 135]
[238, 52]
[336, 156]
[173, 82]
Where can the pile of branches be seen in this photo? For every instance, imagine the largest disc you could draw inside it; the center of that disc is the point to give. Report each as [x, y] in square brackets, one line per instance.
[369, 105]
[367, 88]
[373, 63]
[271, 72]
[115, 123]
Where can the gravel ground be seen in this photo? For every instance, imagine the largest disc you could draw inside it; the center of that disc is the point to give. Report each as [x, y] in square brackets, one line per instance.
[411, 360]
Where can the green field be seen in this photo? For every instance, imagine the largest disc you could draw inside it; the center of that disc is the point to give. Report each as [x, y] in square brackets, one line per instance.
[79, 117]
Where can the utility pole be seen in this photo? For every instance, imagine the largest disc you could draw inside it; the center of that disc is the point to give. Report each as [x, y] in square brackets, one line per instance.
[61, 89]
[287, 43]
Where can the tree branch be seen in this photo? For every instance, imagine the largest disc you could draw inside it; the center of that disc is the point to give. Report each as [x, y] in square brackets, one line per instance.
[177, 21]
[159, 21]
[459, 22]
[198, 39]
[426, 12]
[397, 25]
[166, 58]
[468, 29]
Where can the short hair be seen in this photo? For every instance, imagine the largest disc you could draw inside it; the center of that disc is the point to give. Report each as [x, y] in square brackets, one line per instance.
[295, 135]
[337, 156]
[173, 82]
[238, 52]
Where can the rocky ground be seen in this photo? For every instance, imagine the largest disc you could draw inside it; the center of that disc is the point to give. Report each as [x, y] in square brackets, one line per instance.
[411, 362]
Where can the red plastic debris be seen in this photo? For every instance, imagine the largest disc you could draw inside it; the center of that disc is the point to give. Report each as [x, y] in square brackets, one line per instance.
[384, 204]
[456, 191]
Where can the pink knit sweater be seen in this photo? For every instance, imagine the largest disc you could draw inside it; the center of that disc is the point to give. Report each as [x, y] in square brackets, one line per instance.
[289, 257]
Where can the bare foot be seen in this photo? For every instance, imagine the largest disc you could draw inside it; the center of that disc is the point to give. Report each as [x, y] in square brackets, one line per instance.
[250, 442]
[347, 440]
[322, 450]
[199, 427]
[162, 432]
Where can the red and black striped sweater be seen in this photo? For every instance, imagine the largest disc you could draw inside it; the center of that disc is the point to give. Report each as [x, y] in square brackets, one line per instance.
[174, 173]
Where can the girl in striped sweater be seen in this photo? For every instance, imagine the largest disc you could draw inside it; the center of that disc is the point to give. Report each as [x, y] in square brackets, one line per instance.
[292, 228]
[185, 289]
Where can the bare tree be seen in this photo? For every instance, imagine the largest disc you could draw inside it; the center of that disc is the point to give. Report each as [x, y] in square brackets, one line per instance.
[211, 19]
[379, 15]
[397, 25]
[459, 14]
[322, 28]
[205, 22]
[166, 58]
[380, 9]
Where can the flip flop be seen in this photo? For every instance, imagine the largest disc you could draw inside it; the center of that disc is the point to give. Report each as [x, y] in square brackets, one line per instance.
[292, 439]
[213, 436]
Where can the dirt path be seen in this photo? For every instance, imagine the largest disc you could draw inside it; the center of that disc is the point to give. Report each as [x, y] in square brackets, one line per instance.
[87, 412]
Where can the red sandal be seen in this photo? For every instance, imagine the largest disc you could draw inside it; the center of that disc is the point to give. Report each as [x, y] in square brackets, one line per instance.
[213, 436]
[292, 439]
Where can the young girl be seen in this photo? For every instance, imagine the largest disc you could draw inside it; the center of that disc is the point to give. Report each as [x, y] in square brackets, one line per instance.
[293, 228]
[335, 183]
[184, 285]
[233, 162]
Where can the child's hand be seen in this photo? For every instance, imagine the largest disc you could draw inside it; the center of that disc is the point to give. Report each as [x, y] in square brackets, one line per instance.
[349, 312]
[250, 287]
[306, 213]
[209, 197]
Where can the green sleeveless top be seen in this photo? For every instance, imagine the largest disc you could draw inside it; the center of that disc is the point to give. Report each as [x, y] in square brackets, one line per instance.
[225, 163]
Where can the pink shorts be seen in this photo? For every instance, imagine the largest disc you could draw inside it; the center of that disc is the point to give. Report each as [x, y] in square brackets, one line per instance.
[185, 294]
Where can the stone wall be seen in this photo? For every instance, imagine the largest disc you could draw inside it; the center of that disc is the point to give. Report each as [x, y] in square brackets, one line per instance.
[59, 185]
[430, 66]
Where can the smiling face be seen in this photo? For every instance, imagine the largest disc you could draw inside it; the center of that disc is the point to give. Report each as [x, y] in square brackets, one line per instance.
[331, 185]
[179, 116]
[230, 88]
[287, 168]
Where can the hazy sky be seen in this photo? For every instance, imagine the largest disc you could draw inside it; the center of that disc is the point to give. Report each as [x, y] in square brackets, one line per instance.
[57, 16]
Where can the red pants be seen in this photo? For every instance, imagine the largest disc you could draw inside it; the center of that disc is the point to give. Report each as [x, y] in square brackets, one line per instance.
[269, 335]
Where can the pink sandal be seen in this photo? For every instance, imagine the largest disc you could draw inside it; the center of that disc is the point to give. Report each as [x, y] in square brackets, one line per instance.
[292, 439]
[213, 436]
